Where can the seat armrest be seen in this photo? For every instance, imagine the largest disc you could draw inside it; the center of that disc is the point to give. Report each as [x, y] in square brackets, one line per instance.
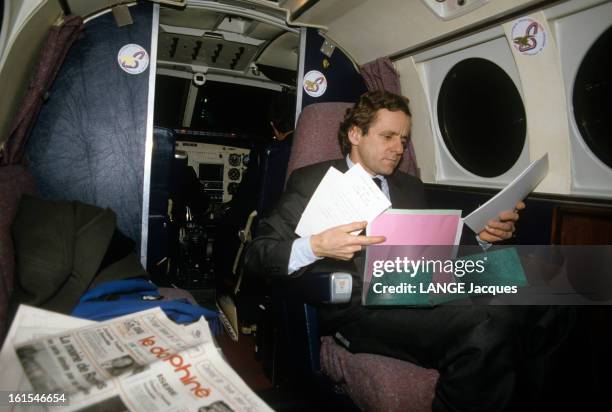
[292, 308]
[340, 287]
[326, 287]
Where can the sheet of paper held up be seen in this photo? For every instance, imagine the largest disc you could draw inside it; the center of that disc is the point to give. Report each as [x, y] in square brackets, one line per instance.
[517, 190]
[340, 199]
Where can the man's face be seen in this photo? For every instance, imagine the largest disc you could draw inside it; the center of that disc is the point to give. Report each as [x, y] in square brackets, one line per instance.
[380, 150]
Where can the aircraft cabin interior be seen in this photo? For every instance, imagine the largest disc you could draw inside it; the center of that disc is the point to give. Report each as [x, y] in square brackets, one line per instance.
[183, 119]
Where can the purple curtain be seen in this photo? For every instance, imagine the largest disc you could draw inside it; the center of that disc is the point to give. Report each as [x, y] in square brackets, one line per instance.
[381, 75]
[58, 42]
[15, 179]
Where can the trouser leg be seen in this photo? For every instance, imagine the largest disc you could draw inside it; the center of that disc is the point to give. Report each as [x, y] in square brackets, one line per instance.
[476, 349]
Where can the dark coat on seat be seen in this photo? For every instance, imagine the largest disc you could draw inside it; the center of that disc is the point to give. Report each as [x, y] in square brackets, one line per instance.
[59, 250]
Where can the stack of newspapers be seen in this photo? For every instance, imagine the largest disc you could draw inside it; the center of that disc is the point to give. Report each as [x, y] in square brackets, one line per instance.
[138, 362]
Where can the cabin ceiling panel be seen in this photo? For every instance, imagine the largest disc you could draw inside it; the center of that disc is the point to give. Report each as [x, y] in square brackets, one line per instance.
[208, 20]
[205, 51]
[218, 35]
[265, 6]
[282, 52]
[192, 17]
[19, 11]
[264, 31]
[87, 7]
[368, 29]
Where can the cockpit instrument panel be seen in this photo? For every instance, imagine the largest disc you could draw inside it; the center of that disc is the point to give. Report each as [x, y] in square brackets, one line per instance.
[220, 168]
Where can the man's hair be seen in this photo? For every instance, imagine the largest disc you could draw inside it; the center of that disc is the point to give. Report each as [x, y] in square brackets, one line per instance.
[362, 115]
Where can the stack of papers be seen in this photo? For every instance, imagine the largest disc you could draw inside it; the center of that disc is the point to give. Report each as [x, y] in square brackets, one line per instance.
[517, 190]
[342, 198]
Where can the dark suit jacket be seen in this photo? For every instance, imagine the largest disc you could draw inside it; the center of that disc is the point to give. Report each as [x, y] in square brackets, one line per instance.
[61, 249]
[268, 254]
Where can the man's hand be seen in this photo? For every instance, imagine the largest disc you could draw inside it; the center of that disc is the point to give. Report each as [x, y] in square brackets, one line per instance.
[503, 227]
[338, 243]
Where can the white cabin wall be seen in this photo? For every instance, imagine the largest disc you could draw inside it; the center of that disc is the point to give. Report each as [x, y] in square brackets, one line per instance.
[368, 29]
[29, 23]
[19, 11]
[544, 99]
[421, 135]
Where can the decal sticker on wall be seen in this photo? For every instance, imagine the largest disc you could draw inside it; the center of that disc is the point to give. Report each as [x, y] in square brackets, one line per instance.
[315, 83]
[528, 36]
[133, 59]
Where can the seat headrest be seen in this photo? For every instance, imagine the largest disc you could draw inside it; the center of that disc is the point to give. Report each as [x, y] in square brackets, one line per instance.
[316, 134]
[316, 137]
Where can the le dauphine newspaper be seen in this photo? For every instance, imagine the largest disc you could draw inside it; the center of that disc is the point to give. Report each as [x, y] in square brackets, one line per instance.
[138, 362]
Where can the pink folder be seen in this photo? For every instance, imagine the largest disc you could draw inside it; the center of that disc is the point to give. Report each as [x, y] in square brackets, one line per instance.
[418, 227]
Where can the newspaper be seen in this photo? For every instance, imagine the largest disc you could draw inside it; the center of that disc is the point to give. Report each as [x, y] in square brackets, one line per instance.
[29, 323]
[138, 362]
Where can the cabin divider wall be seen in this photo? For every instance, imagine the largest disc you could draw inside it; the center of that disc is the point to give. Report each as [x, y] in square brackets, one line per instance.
[342, 81]
[89, 141]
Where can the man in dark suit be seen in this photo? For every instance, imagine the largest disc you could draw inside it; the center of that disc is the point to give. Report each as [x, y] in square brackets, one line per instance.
[475, 348]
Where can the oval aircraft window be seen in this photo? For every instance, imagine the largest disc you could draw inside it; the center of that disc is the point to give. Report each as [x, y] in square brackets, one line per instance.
[592, 98]
[481, 117]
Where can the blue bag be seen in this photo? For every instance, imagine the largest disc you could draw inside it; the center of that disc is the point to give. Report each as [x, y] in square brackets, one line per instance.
[121, 297]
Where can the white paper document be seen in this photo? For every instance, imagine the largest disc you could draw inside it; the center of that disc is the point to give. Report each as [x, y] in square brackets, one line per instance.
[517, 190]
[340, 199]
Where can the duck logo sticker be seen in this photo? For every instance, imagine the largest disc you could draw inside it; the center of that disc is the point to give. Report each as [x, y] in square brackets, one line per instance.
[315, 83]
[133, 59]
[528, 36]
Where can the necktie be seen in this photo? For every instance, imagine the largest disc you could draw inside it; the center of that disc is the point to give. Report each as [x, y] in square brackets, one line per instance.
[378, 182]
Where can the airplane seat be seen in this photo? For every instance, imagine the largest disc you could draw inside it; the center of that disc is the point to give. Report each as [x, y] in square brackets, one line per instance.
[260, 189]
[174, 187]
[161, 165]
[373, 382]
[191, 229]
[186, 190]
[274, 167]
[316, 132]
[244, 200]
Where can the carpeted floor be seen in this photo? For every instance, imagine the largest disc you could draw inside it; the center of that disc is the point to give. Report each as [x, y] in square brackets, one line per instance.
[241, 357]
